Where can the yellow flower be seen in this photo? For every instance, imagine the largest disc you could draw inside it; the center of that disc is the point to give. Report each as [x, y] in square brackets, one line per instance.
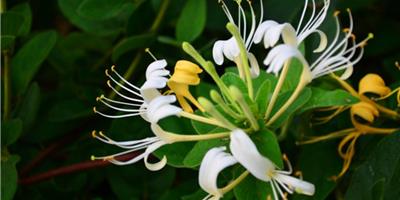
[373, 83]
[185, 74]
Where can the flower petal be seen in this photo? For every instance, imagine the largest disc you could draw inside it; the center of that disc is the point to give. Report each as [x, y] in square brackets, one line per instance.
[160, 164]
[218, 53]
[161, 107]
[213, 163]
[299, 186]
[254, 67]
[154, 66]
[246, 153]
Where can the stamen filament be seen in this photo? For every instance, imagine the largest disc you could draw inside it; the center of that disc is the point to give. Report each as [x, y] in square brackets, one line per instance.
[116, 116]
[202, 119]
[234, 183]
[123, 79]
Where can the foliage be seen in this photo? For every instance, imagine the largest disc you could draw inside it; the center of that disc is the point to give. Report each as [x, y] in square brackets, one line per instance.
[54, 54]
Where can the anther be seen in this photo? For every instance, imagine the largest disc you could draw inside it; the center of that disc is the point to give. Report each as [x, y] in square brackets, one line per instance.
[109, 84]
[149, 52]
[106, 72]
[336, 13]
[94, 110]
[348, 10]
[94, 134]
[346, 30]
[285, 195]
[299, 174]
[113, 68]
[92, 158]
[98, 98]
[397, 64]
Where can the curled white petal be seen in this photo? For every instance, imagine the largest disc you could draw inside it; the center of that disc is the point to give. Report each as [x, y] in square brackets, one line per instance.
[160, 164]
[215, 160]
[246, 153]
[280, 54]
[161, 107]
[217, 52]
[155, 66]
[298, 185]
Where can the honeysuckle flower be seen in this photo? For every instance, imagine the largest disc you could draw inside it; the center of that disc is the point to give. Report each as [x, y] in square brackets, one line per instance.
[270, 31]
[229, 48]
[150, 145]
[185, 74]
[245, 152]
[339, 55]
[215, 160]
[138, 100]
[362, 115]
[374, 84]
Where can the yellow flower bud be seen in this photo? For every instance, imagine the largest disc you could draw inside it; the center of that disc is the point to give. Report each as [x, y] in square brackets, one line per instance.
[373, 83]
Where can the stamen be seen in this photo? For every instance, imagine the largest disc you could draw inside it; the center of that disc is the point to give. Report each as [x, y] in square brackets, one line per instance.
[116, 116]
[226, 11]
[397, 64]
[121, 102]
[94, 134]
[151, 54]
[121, 109]
[123, 79]
[122, 86]
[121, 95]
[299, 174]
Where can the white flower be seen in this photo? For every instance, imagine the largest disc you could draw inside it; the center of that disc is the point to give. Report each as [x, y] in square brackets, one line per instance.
[213, 163]
[245, 152]
[150, 145]
[270, 31]
[229, 48]
[139, 99]
[339, 55]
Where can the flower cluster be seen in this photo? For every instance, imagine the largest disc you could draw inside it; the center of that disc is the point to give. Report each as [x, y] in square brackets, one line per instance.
[240, 111]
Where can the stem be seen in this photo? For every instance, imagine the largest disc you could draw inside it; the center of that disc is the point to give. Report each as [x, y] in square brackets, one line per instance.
[243, 55]
[277, 89]
[7, 85]
[304, 80]
[202, 119]
[86, 165]
[189, 138]
[245, 107]
[135, 62]
[234, 183]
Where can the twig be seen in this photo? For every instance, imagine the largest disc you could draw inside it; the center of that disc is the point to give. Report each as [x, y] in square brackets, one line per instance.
[86, 165]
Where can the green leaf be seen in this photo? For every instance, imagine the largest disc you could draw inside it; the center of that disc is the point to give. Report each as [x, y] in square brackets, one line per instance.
[9, 176]
[192, 20]
[383, 164]
[230, 78]
[263, 96]
[10, 131]
[318, 163]
[251, 188]
[131, 43]
[25, 10]
[195, 156]
[69, 109]
[103, 9]
[7, 41]
[325, 98]
[11, 23]
[29, 58]
[30, 106]
[296, 104]
[268, 145]
[97, 27]
[293, 75]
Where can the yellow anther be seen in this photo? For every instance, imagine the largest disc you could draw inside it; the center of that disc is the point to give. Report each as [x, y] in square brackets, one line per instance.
[336, 13]
[299, 174]
[373, 83]
[106, 72]
[94, 134]
[92, 158]
[353, 36]
[98, 98]
[346, 30]
[147, 50]
[269, 197]
[348, 10]
[101, 133]
[94, 110]
[397, 65]
[113, 68]
[109, 83]
[185, 74]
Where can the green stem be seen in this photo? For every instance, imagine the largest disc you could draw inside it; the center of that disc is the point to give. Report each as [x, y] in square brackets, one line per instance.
[202, 119]
[277, 89]
[304, 80]
[191, 138]
[243, 55]
[234, 183]
[154, 28]
[3, 6]
[245, 107]
[7, 85]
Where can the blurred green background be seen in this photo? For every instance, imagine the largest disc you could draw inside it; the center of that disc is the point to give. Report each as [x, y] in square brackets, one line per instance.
[54, 53]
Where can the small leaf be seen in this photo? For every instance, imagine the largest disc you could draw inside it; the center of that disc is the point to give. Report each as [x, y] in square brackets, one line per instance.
[262, 97]
[25, 10]
[7, 41]
[325, 98]
[192, 20]
[30, 106]
[9, 176]
[11, 23]
[230, 78]
[195, 156]
[268, 145]
[103, 9]
[29, 58]
[131, 43]
[10, 131]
